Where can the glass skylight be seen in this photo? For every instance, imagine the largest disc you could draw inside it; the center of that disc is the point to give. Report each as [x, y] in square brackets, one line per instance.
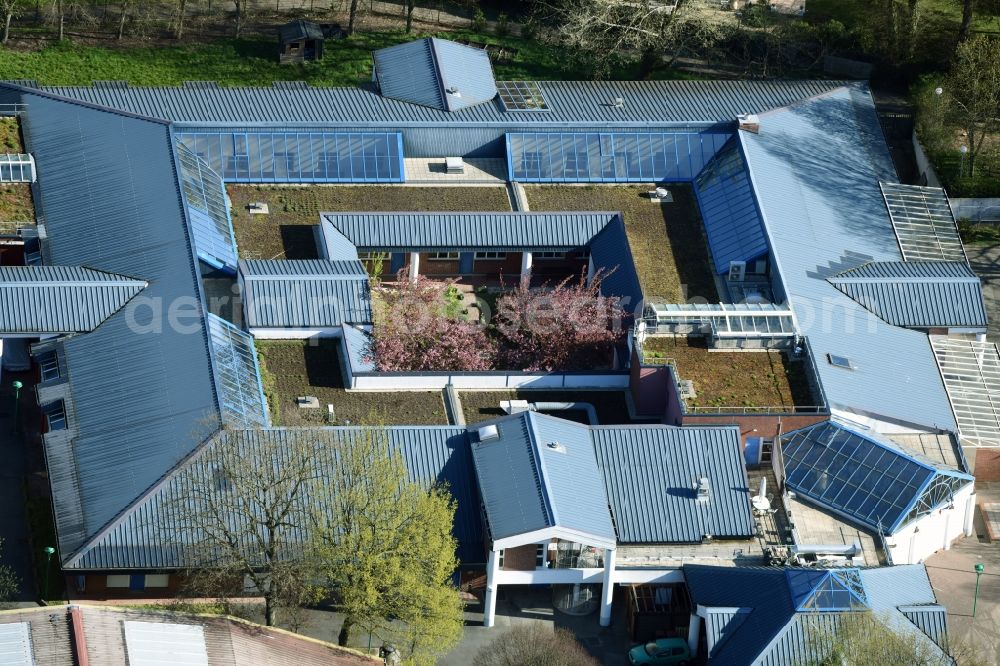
[237, 376]
[924, 223]
[521, 96]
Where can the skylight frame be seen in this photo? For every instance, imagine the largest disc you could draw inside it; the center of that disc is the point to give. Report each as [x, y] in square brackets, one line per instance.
[522, 96]
[924, 223]
[237, 375]
[971, 373]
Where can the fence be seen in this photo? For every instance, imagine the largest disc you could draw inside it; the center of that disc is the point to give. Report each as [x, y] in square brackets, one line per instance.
[976, 210]
[433, 381]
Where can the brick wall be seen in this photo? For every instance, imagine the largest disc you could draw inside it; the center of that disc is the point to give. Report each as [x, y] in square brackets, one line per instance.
[96, 587]
[521, 558]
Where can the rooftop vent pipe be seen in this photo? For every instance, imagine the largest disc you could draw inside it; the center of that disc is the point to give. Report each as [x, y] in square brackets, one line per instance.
[749, 122]
[702, 489]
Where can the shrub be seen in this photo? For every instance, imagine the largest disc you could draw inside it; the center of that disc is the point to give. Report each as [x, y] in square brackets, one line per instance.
[534, 644]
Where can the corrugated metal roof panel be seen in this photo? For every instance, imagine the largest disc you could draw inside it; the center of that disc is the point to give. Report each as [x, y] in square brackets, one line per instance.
[469, 231]
[15, 645]
[141, 384]
[917, 294]
[720, 624]
[305, 294]
[408, 72]
[584, 103]
[816, 167]
[932, 619]
[47, 299]
[165, 644]
[465, 73]
[729, 209]
[651, 472]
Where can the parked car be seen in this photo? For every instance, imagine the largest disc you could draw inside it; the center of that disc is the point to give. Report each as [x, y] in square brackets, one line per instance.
[661, 652]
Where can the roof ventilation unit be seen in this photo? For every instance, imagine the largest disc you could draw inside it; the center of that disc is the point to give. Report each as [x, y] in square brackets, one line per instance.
[749, 122]
[556, 446]
[702, 489]
[453, 91]
[618, 102]
[488, 433]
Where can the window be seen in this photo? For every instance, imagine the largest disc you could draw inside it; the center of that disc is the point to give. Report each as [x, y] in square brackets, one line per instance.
[442, 256]
[521, 96]
[548, 255]
[372, 256]
[840, 361]
[118, 580]
[157, 580]
[55, 414]
[531, 164]
[540, 551]
[500, 558]
[48, 363]
[491, 256]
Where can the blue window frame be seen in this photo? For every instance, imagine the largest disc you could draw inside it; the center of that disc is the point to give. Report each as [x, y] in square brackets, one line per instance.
[55, 415]
[237, 374]
[610, 157]
[300, 157]
[208, 210]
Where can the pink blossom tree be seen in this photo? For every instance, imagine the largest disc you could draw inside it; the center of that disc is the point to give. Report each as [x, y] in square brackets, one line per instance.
[417, 327]
[570, 326]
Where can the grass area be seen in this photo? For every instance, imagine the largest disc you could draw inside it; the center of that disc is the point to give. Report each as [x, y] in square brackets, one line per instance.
[16, 207]
[43, 533]
[945, 14]
[291, 368]
[734, 379]
[667, 240]
[611, 405]
[286, 232]
[979, 233]
[253, 61]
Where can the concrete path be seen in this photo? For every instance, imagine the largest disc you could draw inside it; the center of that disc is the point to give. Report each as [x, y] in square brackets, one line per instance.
[985, 261]
[13, 518]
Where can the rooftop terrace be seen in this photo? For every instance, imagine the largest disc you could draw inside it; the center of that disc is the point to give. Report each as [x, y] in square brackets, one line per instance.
[16, 207]
[286, 232]
[667, 240]
[747, 379]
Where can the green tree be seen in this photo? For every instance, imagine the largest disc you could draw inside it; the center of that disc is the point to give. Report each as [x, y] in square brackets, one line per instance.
[240, 513]
[385, 546]
[866, 638]
[527, 645]
[972, 92]
[9, 10]
[10, 582]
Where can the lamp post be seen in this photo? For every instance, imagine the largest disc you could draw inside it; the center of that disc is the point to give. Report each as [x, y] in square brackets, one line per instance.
[975, 600]
[17, 400]
[964, 150]
[49, 552]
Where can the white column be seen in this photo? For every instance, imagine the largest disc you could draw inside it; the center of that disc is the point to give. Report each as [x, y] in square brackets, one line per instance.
[970, 515]
[525, 264]
[490, 602]
[694, 632]
[414, 266]
[608, 586]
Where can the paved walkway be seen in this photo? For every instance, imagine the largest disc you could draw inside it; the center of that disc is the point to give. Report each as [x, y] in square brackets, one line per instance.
[13, 518]
[985, 261]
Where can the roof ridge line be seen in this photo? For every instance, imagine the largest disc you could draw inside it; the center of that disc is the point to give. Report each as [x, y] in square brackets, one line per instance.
[539, 463]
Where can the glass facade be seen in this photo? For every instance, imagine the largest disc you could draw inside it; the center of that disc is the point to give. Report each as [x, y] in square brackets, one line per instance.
[300, 157]
[237, 375]
[610, 158]
[862, 478]
[205, 196]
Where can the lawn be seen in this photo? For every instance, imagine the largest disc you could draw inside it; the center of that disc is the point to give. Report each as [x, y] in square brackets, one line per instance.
[735, 379]
[611, 406]
[667, 240]
[283, 233]
[292, 368]
[16, 208]
[979, 233]
[253, 61]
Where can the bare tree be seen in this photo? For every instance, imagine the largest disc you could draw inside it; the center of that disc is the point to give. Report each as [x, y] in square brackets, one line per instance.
[179, 19]
[965, 27]
[59, 6]
[534, 644]
[410, 5]
[241, 14]
[973, 92]
[352, 17]
[124, 6]
[9, 10]
[241, 514]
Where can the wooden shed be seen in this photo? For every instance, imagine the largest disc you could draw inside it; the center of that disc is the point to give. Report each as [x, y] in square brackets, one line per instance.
[300, 41]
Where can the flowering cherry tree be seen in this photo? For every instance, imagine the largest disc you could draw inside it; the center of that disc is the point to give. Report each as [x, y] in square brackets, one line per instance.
[570, 326]
[417, 328]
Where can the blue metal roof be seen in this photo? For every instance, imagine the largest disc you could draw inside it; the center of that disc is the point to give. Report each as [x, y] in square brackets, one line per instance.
[142, 385]
[582, 103]
[54, 299]
[145, 537]
[864, 477]
[434, 72]
[931, 619]
[729, 209]
[304, 293]
[754, 620]
[469, 231]
[917, 294]
[650, 473]
[540, 473]
[815, 167]
[610, 251]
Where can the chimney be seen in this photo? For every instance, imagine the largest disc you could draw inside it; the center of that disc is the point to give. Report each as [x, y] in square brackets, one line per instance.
[702, 489]
[79, 640]
[749, 122]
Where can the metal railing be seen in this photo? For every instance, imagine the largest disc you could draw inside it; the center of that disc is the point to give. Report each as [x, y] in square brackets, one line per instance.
[12, 109]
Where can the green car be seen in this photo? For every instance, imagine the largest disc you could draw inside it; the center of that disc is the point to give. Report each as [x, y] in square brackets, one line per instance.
[662, 652]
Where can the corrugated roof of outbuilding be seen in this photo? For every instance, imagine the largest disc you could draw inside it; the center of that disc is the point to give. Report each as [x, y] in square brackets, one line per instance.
[582, 103]
[55, 299]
